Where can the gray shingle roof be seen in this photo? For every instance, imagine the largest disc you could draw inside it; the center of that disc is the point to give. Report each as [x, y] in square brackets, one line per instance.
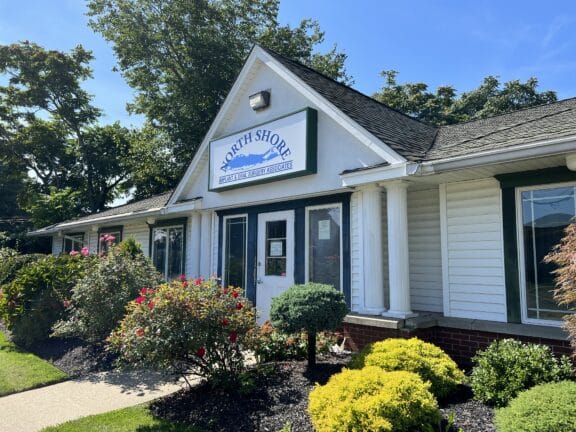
[544, 122]
[405, 135]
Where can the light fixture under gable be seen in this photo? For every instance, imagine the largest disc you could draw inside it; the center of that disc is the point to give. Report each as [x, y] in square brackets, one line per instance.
[260, 100]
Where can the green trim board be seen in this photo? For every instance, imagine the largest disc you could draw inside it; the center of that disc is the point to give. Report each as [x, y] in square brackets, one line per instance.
[290, 150]
[508, 185]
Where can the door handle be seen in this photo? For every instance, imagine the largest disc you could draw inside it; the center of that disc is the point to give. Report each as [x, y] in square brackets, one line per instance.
[259, 281]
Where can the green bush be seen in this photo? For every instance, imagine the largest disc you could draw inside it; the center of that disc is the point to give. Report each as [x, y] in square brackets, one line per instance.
[34, 300]
[99, 299]
[543, 408]
[413, 355]
[508, 367]
[11, 261]
[371, 399]
[269, 344]
[188, 327]
[311, 307]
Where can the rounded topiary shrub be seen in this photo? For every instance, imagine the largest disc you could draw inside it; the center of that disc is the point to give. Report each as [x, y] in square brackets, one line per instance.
[413, 355]
[508, 367]
[543, 408]
[312, 308]
[371, 399]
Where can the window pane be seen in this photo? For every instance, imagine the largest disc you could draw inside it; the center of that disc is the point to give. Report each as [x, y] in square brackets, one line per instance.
[235, 252]
[160, 236]
[324, 246]
[545, 215]
[275, 248]
[175, 252]
[73, 242]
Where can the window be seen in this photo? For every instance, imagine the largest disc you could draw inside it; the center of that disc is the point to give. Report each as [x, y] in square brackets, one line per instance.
[275, 255]
[235, 250]
[543, 214]
[168, 250]
[105, 233]
[73, 242]
[324, 245]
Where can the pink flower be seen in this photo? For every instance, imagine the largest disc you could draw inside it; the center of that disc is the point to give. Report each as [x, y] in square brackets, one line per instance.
[85, 251]
[66, 303]
[235, 294]
[239, 306]
[201, 352]
[198, 281]
[151, 305]
[74, 253]
[185, 284]
[143, 291]
[110, 239]
[140, 332]
[233, 336]
[225, 322]
[140, 299]
[225, 290]
[104, 237]
[182, 278]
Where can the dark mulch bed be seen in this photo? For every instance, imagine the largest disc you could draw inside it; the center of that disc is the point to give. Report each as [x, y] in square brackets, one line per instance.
[281, 397]
[74, 356]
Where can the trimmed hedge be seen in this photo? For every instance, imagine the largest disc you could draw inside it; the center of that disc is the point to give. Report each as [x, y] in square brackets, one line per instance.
[413, 355]
[371, 399]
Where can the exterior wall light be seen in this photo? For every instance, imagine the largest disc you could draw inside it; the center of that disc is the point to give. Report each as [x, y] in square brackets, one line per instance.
[259, 100]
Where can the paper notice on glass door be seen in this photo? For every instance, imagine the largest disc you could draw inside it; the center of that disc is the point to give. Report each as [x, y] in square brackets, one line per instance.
[324, 229]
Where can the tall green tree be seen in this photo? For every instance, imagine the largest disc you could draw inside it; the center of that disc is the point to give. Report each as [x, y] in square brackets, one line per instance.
[182, 56]
[444, 106]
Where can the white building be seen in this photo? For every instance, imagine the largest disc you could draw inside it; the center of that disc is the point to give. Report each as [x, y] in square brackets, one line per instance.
[438, 232]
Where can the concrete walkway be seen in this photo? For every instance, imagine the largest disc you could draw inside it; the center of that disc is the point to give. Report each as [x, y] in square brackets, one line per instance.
[33, 410]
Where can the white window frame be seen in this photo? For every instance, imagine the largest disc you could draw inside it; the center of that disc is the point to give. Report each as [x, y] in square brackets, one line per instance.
[307, 241]
[224, 234]
[73, 238]
[153, 251]
[521, 253]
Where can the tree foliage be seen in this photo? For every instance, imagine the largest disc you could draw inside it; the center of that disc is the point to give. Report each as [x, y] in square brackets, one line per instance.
[182, 56]
[445, 107]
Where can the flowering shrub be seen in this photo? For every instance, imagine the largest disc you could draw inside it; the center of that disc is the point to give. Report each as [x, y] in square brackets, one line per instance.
[99, 299]
[425, 359]
[371, 399]
[311, 307]
[564, 256]
[508, 367]
[187, 326]
[33, 300]
[269, 344]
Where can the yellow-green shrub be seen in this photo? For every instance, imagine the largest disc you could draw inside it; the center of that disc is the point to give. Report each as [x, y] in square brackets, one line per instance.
[371, 399]
[413, 355]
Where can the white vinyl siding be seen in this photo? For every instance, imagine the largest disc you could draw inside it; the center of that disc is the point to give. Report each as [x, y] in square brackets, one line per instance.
[356, 268]
[56, 245]
[425, 250]
[474, 281]
[139, 232]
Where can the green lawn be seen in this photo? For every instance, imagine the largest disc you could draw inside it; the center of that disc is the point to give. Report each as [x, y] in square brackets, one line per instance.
[133, 419]
[21, 371]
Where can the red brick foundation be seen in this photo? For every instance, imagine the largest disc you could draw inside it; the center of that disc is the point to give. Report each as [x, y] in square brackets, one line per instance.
[459, 344]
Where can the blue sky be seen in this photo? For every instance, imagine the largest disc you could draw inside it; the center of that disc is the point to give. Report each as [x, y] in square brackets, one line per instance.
[436, 42]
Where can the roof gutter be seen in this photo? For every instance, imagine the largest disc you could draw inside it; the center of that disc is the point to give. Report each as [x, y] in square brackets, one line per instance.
[380, 174]
[527, 151]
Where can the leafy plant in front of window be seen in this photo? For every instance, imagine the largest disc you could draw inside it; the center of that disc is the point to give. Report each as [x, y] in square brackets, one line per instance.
[312, 308]
[188, 326]
[508, 367]
[564, 256]
[35, 298]
[99, 299]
